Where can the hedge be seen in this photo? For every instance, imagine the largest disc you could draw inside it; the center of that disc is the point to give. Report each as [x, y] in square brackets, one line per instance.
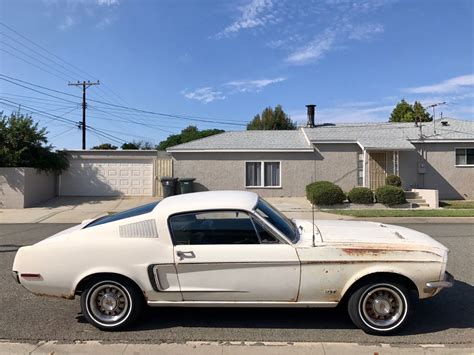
[362, 195]
[393, 180]
[390, 195]
[324, 193]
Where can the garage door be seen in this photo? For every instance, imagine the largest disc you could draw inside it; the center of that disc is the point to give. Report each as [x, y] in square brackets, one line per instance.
[108, 177]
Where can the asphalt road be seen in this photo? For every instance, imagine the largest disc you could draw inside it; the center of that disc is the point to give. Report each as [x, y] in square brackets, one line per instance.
[447, 318]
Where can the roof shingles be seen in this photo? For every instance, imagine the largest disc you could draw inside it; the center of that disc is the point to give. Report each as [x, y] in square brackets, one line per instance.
[248, 140]
[394, 136]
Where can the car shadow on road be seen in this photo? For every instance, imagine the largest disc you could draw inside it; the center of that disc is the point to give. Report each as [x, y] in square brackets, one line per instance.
[9, 248]
[453, 308]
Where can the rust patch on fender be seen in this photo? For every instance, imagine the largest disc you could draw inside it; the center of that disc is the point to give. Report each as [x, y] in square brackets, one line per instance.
[364, 251]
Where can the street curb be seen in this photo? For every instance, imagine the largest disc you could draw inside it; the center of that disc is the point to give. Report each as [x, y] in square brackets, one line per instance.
[237, 347]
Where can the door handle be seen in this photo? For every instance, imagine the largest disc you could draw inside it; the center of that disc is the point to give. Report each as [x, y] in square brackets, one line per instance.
[185, 254]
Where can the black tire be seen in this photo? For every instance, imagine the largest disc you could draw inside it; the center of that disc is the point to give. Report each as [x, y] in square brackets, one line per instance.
[111, 303]
[381, 307]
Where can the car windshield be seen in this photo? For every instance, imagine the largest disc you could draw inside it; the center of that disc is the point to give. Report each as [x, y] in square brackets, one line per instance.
[277, 219]
[124, 214]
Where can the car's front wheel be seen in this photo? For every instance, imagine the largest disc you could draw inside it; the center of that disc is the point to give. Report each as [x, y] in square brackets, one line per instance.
[111, 303]
[380, 308]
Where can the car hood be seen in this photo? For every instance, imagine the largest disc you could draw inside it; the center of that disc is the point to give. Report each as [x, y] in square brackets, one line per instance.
[374, 234]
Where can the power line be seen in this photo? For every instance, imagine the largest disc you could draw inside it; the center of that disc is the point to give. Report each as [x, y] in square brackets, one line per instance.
[75, 70]
[188, 118]
[61, 119]
[64, 132]
[35, 59]
[41, 47]
[28, 62]
[40, 92]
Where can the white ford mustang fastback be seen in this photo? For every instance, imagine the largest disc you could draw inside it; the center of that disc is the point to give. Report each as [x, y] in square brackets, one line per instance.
[233, 249]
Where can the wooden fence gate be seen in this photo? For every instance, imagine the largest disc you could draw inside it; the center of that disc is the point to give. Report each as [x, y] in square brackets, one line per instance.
[163, 167]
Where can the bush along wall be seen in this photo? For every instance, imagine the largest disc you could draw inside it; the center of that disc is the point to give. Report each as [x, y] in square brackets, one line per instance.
[362, 195]
[324, 193]
[390, 195]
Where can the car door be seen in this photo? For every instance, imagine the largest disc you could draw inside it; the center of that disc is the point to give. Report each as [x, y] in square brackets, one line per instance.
[229, 256]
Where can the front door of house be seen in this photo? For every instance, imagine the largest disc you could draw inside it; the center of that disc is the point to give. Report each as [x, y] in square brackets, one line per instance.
[377, 169]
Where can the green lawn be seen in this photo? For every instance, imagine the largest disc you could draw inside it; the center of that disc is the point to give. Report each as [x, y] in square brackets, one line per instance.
[457, 204]
[404, 213]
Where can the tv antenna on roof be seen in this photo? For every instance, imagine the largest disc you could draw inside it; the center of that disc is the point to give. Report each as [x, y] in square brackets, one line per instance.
[434, 113]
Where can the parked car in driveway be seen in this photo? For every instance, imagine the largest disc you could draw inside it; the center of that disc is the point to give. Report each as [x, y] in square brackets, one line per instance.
[233, 249]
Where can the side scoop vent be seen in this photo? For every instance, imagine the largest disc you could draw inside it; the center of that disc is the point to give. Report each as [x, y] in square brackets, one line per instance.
[143, 229]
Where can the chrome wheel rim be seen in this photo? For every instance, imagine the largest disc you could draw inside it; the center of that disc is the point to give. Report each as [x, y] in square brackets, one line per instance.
[109, 303]
[383, 307]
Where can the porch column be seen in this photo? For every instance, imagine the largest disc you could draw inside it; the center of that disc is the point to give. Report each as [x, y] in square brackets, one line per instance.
[395, 162]
[364, 170]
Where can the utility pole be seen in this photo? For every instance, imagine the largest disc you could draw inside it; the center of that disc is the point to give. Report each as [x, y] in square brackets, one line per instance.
[434, 114]
[85, 85]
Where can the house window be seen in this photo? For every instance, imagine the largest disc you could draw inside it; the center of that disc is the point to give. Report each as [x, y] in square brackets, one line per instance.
[465, 156]
[360, 169]
[262, 174]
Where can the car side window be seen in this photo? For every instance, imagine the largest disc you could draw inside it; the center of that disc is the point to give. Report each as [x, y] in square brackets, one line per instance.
[266, 236]
[213, 227]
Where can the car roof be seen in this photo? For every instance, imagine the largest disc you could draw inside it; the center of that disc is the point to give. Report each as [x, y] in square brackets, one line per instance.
[207, 200]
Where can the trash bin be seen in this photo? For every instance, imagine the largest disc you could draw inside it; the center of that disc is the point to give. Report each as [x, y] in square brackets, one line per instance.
[169, 185]
[186, 185]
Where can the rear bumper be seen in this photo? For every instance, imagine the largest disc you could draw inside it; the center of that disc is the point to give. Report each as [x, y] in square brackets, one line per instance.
[447, 281]
[15, 276]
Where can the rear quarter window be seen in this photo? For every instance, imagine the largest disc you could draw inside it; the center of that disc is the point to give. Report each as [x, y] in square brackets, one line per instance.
[124, 214]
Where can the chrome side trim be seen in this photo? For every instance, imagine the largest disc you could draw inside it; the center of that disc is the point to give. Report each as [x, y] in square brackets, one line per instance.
[262, 304]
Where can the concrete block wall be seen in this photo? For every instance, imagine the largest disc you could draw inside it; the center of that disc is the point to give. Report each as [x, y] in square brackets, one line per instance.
[25, 187]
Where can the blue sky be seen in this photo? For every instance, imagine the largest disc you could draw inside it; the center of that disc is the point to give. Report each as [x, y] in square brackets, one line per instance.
[227, 60]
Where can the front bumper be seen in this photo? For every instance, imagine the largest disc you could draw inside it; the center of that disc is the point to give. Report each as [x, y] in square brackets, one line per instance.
[447, 281]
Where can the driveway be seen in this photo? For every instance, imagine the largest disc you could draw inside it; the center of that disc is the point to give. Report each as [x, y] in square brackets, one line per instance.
[71, 209]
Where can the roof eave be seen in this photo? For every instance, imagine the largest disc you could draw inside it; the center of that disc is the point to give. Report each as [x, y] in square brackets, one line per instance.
[307, 150]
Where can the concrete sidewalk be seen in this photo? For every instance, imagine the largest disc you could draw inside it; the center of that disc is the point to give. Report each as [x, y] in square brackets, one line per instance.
[71, 209]
[77, 209]
[224, 348]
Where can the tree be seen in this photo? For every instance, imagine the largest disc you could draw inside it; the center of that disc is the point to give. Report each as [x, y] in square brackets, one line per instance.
[143, 145]
[188, 134]
[272, 119]
[404, 112]
[105, 146]
[420, 112]
[24, 144]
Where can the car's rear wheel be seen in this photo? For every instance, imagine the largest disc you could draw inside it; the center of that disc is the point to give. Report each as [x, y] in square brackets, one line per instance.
[380, 307]
[111, 303]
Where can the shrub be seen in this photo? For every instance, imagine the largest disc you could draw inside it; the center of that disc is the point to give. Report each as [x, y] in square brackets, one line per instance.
[361, 195]
[324, 193]
[390, 195]
[393, 180]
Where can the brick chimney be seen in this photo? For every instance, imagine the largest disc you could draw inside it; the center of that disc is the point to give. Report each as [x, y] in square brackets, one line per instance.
[310, 122]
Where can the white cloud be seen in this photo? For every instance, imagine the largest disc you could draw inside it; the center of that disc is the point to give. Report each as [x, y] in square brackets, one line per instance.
[205, 94]
[253, 85]
[254, 14]
[66, 23]
[364, 31]
[314, 50]
[447, 86]
[107, 2]
[105, 22]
